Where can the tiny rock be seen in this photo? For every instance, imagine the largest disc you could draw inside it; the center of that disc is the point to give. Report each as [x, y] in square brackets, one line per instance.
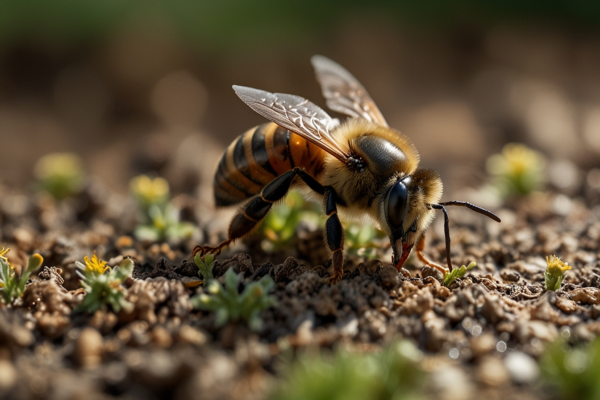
[510, 275]
[483, 344]
[566, 305]
[522, 368]
[587, 295]
[492, 372]
[88, 348]
[433, 272]
[191, 335]
[8, 375]
[389, 277]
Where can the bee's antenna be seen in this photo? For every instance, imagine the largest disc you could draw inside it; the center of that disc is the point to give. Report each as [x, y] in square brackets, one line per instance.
[470, 206]
[473, 207]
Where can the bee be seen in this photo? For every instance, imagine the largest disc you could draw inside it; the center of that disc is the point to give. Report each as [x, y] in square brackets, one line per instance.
[358, 168]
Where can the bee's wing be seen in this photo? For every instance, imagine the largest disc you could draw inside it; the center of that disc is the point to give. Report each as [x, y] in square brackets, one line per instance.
[343, 91]
[296, 114]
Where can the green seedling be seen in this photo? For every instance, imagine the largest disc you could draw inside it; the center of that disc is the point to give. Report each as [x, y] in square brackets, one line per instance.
[359, 240]
[391, 374]
[159, 219]
[555, 272]
[450, 276]
[205, 265]
[103, 285]
[229, 305]
[572, 371]
[60, 174]
[279, 226]
[12, 285]
[163, 224]
[517, 170]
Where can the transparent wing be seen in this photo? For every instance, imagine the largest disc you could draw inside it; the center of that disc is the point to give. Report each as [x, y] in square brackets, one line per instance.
[296, 114]
[343, 91]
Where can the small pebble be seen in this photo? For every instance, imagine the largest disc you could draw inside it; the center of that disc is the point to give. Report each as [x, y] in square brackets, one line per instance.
[522, 368]
[8, 375]
[88, 348]
[191, 335]
[492, 372]
[510, 275]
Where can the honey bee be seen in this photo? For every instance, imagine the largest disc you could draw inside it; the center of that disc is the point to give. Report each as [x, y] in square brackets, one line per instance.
[358, 168]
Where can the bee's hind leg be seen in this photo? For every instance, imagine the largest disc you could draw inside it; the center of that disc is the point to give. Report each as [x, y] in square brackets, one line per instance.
[425, 260]
[256, 209]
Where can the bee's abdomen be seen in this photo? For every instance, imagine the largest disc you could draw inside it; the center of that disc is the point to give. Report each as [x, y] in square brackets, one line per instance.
[256, 158]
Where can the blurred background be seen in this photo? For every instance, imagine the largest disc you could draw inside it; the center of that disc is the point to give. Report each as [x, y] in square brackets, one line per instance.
[140, 87]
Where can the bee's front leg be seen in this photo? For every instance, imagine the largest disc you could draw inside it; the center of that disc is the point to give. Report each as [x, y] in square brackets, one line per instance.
[425, 260]
[334, 235]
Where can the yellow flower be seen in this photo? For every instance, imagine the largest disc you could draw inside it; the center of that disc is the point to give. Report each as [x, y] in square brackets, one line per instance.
[516, 159]
[555, 265]
[148, 190]
[555, 272]
[3, 253]
[95, 265]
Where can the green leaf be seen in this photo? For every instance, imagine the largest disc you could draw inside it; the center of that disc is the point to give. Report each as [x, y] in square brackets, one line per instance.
[450, 277]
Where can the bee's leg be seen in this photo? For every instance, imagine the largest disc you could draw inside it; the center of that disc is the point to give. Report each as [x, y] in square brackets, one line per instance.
[334, 235]
[257, 208]
[425, 260]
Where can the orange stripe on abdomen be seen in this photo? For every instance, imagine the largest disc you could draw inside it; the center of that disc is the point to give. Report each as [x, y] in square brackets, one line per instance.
[277, 144]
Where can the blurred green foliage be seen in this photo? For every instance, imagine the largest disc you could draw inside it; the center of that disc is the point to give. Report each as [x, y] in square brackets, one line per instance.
[12, 284]
[279, 226]
[359, 240]
[159, 219]
[573, 371]
[391, 374]
[218, 24]
[517, 170]
[205, 265]
[230, 305]
[59, 174]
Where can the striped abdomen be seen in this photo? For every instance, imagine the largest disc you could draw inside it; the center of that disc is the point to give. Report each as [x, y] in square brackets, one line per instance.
[257, 157]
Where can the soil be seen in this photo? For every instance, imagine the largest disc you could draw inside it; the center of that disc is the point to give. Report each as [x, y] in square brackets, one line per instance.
[482, 336]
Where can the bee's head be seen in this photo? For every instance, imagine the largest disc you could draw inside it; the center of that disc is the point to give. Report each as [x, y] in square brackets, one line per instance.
[405, 211]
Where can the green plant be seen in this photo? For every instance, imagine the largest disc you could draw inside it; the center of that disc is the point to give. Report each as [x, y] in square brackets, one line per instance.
[229, 305]
[12, 285]
[60, 174]
[450, 277]
[159, 219]
[555, 272]
[103, 285]
[391, 374]
[205, 265]
[279, 226]
[573, 371]
[517, 170]
[358, 240]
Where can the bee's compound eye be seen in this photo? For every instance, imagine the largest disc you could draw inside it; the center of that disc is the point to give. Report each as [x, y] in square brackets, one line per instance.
[395, 204]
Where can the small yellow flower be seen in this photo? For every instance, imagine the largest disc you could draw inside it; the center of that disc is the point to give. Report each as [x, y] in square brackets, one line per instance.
[516, 159]
[95, 265]
[148, 190]
[555, 272]
[3, 253]
[554, 263]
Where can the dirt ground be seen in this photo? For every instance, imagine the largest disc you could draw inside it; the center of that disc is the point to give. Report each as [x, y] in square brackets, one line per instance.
[484, 333]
